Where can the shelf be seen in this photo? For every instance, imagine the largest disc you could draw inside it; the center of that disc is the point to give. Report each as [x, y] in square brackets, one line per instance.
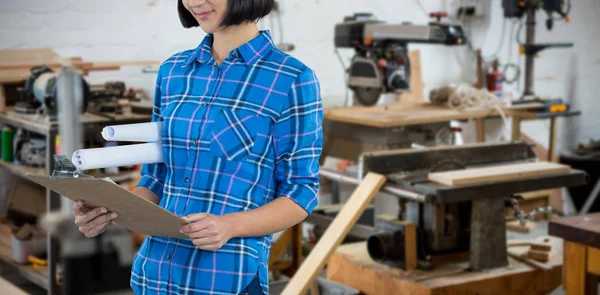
[22, 170]
[38, 277]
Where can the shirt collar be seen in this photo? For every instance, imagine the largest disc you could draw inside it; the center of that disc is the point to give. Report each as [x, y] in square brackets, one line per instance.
[250, 52]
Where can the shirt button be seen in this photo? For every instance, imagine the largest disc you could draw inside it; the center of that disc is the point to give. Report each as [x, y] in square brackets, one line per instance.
[186, 180]
[234, 53]
[168, 256]
[193, 142]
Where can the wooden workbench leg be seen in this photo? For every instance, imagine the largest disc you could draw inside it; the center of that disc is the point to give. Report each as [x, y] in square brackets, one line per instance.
[2, 99]
[296, 247]
[552, 140]
[516, 129]
[575, 278]
[488, 234]
[480, 129]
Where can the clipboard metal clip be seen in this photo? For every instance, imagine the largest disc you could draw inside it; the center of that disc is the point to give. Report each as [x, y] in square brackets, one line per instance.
[64, 168]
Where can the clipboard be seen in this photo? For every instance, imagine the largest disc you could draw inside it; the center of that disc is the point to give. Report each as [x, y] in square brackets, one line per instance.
[135, 213]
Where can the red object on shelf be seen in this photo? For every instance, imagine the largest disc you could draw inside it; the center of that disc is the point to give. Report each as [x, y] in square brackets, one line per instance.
[495, 80]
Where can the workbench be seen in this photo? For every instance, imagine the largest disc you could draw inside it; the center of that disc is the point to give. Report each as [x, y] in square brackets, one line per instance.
[91, 124]
[351, 131]
[581, 236]
[351, 265]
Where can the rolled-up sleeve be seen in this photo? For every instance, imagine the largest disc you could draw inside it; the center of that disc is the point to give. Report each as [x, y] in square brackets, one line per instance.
[153, 175]
[298, 140]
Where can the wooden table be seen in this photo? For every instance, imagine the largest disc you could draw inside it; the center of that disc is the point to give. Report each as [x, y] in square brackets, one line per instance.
[351, 265]
[349, 131]
[581, 236]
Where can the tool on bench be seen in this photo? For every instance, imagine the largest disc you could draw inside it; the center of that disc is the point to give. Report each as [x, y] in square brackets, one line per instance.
[528, 8]
[40, 92]
[450, 218]
[381, 63]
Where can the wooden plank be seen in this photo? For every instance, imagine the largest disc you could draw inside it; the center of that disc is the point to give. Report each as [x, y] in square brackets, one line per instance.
[574, 268]
[582, 229]
[351, 265]
[541, 246]
[2, 98]
[498, 173]
[517, 227]
[538, 255]
[480, 129]
[416, 78]
[515, 130]
[593, 260]
[410, 246]
[335, 233]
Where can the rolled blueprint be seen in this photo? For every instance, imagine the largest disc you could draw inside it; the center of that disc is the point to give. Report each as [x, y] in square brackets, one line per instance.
[140, 132]
[125, 155]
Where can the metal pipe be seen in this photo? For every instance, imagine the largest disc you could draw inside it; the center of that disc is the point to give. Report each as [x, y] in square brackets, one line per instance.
[388, 188]
[69, 98]
[529, 58]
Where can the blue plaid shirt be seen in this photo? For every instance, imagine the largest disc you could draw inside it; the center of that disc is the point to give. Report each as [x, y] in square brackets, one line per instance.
[235, 137]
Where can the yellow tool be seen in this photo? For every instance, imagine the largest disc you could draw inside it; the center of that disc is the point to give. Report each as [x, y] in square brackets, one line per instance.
[38, 263]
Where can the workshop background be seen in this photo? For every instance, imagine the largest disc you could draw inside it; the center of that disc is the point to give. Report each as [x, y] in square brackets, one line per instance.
[113, 30]
[150, 30]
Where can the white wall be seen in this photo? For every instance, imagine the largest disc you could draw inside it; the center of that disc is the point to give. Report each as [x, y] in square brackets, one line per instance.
[104, 30]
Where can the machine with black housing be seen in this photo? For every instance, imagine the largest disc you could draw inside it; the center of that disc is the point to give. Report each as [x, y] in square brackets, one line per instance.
[381, 63]
[39, 95]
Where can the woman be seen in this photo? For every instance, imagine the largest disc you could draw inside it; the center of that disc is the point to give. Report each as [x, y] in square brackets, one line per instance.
[241, 141]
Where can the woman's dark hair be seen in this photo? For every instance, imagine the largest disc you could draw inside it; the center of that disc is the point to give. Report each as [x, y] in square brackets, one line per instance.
[239, 11]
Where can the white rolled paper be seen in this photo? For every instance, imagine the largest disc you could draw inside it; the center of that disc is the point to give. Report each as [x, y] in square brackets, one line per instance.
[125, 155]
[140, 132]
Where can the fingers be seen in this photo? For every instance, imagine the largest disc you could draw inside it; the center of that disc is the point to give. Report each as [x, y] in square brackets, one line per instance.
[87, 217]
[79, 209]
[98, 229]
[198, 226]
[204, 241]
[207, 232]
[99, 220]
[195, 217]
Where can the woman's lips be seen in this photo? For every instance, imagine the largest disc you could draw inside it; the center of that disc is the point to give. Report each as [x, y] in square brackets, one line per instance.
[204, 15]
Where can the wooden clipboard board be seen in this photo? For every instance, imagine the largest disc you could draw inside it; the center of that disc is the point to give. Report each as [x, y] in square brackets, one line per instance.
[135, 213]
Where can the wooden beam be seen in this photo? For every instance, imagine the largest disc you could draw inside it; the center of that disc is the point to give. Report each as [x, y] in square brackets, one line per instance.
[516, 128]
[335, 233]
[574, 272]
[2, 98]
[279, 246]
[410, 246]
[552, 140]
[480, 129]
[593, 260]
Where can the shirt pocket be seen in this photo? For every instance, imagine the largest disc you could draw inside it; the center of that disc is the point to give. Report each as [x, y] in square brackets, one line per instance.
[233, 134]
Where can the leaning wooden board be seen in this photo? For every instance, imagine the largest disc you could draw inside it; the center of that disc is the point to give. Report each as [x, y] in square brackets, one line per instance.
[335, 233]
[498, 173]
[135, 213]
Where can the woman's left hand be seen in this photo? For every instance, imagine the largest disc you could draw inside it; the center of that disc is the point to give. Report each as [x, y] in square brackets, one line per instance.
[207, 231]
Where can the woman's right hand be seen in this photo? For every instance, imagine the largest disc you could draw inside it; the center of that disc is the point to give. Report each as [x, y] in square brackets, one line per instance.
[92, 222]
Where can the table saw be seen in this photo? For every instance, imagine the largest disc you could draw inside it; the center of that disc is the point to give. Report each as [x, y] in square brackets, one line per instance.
[448, 219]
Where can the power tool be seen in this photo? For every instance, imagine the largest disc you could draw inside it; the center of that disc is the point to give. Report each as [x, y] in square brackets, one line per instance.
[40, 92]
[381, 63]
